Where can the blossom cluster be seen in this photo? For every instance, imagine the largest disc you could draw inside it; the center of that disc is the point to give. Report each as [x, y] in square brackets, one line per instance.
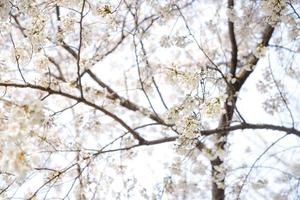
[178, 41]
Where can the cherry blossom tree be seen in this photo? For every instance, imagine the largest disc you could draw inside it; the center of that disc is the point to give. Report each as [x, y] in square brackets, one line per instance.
[149, 99]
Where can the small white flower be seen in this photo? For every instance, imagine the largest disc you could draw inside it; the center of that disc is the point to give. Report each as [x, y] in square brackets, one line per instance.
[212, 107]
[260, 51]
[180, 41]
[4, 9]
[165, 41]
[233, 80]
[262, 183]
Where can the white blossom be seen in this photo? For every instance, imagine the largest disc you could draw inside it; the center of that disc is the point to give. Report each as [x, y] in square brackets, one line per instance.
[165, 41]
[4, 9]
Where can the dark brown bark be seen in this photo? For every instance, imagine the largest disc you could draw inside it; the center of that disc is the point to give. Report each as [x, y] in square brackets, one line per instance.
[217, 193]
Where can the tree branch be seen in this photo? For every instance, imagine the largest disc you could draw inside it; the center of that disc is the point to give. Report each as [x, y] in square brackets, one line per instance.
[113, 95]
[81, 100]
[253, 60]
[234, 47]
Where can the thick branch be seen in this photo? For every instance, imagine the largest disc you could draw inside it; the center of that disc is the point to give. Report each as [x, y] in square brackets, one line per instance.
[243, 73]
[234, 47]
[245, 126]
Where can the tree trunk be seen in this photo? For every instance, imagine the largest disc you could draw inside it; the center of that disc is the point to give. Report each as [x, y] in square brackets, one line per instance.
[218, 177]
[218, 193]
